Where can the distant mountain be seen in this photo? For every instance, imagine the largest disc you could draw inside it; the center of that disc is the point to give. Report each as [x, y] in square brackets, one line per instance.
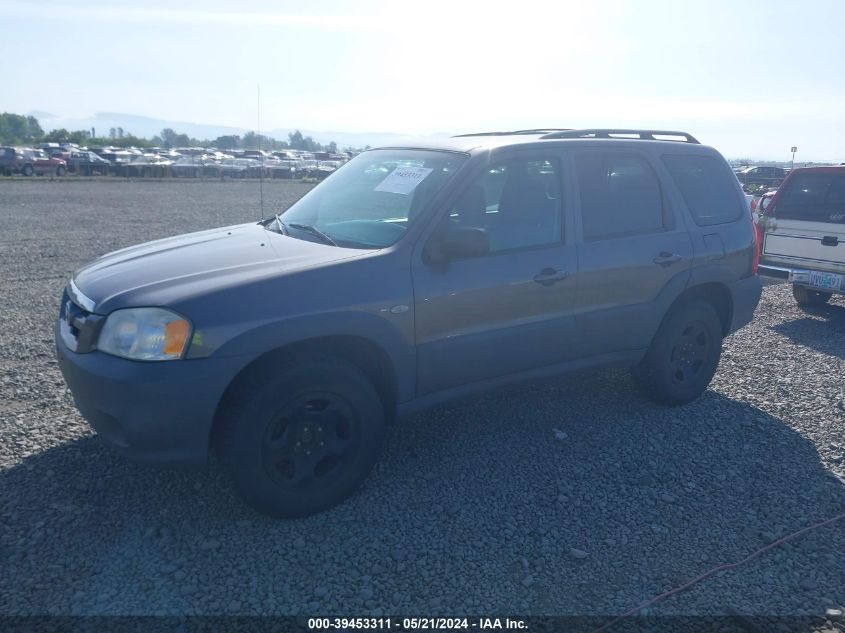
[38, 114]
[144, 126]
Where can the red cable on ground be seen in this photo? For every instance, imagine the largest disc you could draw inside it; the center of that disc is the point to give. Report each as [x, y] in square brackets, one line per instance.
[709, 573]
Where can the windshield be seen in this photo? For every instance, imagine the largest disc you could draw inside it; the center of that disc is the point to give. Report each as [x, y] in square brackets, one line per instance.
[371, 201]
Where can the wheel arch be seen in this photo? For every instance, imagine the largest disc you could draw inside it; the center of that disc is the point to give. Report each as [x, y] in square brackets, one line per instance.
[716, 294]
[364, 353]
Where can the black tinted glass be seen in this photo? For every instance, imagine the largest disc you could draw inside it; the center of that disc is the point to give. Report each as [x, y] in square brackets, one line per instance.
[816, 197]
[620, 194]
[517, 202]
[707, 186]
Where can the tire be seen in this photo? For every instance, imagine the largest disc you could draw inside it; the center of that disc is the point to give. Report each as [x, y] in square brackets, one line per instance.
[26, 170]
[326, 405]
[60, 171]
[807, 297]
[683, 356]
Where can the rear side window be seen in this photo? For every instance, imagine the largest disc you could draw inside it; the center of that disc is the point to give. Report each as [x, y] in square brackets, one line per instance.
[620, 195]
[707, 186]
[815, 197]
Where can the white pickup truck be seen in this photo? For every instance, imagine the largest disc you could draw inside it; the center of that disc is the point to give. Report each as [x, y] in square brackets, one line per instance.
[804, 234]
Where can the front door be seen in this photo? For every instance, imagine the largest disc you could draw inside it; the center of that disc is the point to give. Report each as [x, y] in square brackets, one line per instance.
[509, 310]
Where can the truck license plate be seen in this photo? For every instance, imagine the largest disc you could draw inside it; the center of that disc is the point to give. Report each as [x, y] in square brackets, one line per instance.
[828, 281]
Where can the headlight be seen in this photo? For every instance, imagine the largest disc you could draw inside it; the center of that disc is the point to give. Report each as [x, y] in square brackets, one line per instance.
[145, 334]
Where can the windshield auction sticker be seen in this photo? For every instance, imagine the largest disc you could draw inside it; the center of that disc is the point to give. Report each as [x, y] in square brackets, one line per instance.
[403, 179]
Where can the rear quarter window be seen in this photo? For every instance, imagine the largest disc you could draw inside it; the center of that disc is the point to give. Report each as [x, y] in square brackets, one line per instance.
[708, 188]
[814, 197]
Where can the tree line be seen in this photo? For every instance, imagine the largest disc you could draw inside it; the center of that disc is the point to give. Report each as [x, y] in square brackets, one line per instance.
[18, 129]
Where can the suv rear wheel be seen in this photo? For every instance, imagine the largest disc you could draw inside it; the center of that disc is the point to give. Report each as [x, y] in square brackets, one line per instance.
[683, 356]
[26, 170]
[304, 439]
[807, 297]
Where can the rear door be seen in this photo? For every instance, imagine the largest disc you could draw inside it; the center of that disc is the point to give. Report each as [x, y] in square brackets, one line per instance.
[631, 247]
[806, 222]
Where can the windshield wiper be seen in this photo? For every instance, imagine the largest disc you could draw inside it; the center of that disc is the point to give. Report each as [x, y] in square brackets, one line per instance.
[282, 228]
[313, 230]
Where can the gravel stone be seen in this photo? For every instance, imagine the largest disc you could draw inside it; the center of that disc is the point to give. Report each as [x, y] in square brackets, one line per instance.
[85, 532]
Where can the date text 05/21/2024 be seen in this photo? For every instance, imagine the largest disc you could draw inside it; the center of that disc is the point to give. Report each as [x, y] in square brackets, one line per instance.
[416, 624]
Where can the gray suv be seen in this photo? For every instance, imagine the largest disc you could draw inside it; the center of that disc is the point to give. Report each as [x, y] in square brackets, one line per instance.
[410, 276]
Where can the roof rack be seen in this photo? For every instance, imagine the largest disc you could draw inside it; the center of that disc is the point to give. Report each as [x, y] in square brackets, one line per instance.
[644, 135]
[547, 130]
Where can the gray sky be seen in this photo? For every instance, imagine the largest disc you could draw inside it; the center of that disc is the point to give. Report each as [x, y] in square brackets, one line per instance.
[749, 77]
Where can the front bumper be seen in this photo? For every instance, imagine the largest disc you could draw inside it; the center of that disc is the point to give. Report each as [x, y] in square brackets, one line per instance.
[160, 412]
[745, 295]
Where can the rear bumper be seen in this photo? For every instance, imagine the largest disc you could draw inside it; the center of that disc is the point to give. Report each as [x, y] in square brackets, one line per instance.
[796, 275]
[745, 294]
[159, 412]
[769, 270]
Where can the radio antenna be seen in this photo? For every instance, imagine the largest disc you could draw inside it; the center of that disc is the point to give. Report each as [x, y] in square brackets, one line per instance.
[261, 157]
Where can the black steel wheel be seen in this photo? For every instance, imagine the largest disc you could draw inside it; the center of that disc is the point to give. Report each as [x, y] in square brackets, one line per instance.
[690, 353]
[684, 355]
[302, 439]
[310, 439]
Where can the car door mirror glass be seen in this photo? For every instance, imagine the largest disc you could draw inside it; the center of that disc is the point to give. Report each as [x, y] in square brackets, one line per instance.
[460, 242]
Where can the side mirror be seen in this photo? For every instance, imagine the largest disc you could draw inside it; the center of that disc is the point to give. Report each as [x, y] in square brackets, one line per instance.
[465, 241]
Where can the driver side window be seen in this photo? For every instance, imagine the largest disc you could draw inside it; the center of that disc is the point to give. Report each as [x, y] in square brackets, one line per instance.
[517, 202]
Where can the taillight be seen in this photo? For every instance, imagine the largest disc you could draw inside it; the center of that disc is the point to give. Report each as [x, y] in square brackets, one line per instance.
[758, 246]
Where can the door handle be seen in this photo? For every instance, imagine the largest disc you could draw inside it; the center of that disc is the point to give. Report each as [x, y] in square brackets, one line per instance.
[830, 240]
[549, 276]
[667, 259]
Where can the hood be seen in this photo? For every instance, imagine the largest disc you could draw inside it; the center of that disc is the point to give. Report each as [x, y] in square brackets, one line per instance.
[169, 271]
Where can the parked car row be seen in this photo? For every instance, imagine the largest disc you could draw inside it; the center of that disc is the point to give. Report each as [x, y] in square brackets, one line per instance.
[189, 162]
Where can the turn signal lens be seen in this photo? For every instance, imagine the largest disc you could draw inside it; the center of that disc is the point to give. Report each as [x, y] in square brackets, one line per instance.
[175, 337]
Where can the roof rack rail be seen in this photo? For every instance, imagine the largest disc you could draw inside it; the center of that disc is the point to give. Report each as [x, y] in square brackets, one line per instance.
[545, 130]
[643, 135]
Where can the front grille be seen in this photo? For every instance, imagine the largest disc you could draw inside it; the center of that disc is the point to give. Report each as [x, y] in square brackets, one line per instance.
[79, 328]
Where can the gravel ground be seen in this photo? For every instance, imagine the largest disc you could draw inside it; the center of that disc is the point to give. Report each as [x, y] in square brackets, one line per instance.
[571, 496]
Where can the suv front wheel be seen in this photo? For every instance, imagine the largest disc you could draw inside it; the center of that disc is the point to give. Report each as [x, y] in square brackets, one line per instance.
[303, 439]
[683, 356]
